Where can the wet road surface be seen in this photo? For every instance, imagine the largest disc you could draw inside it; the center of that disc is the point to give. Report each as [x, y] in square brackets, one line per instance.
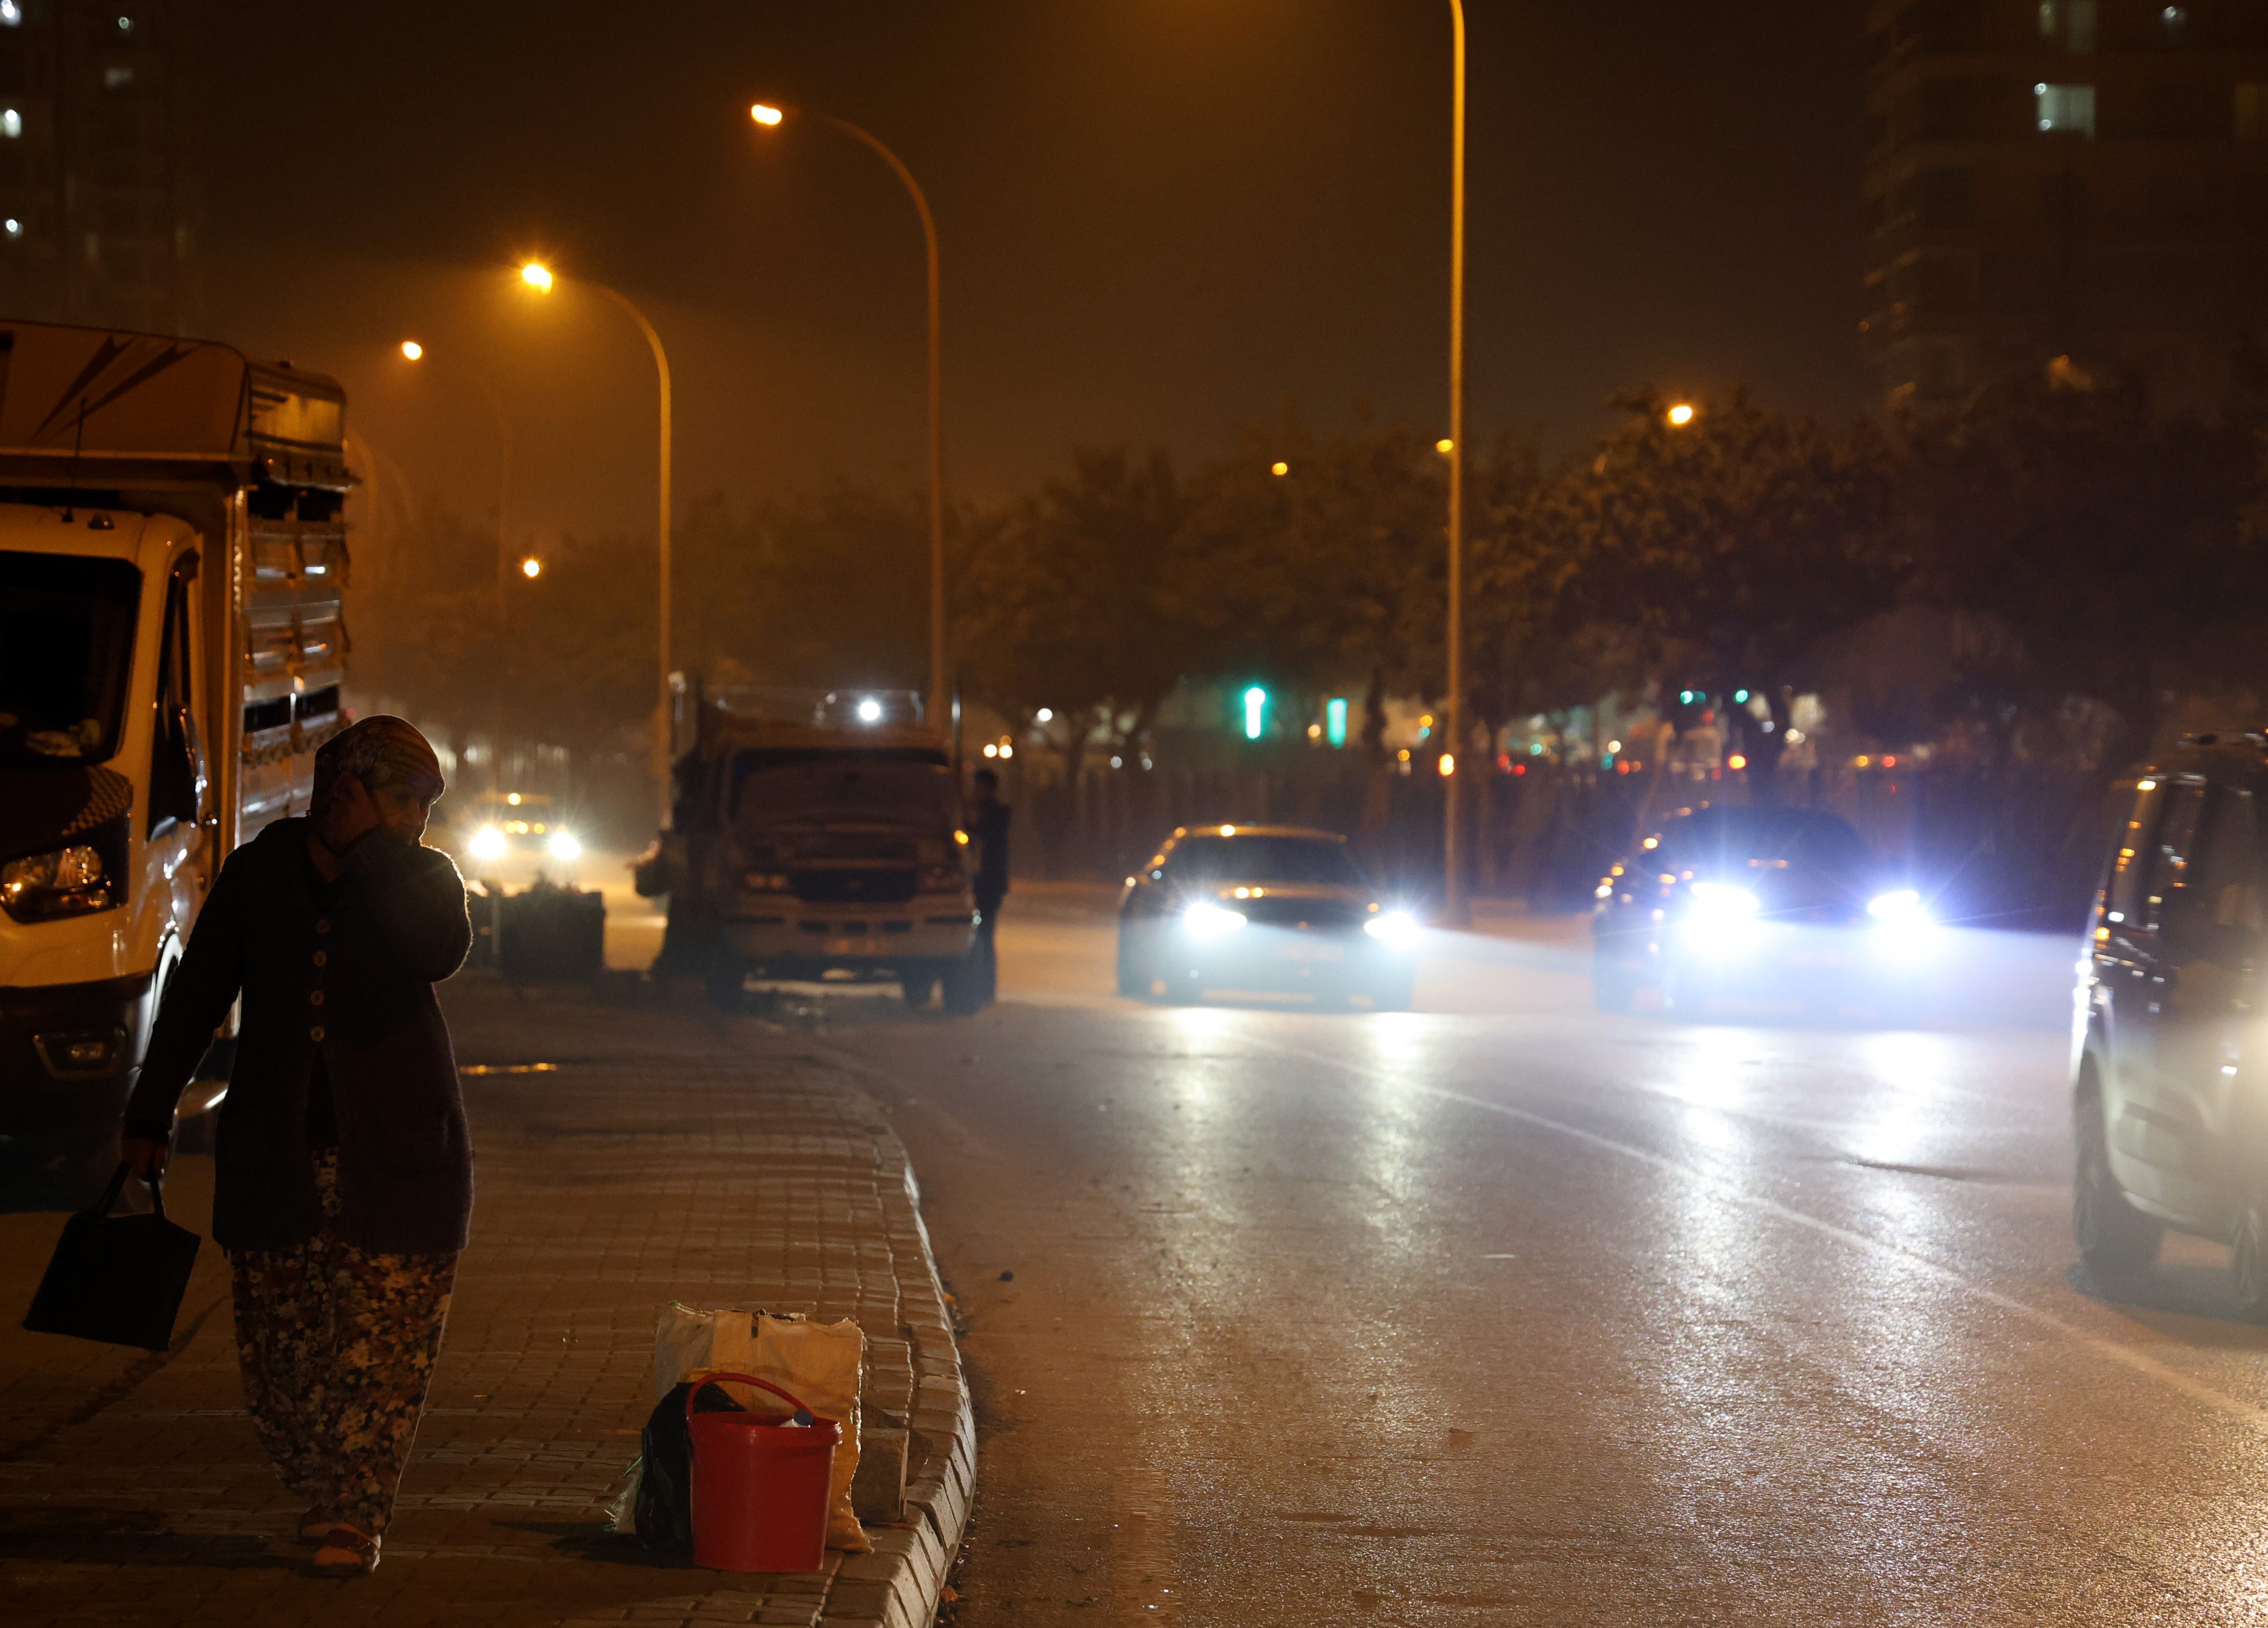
[1500, 1311]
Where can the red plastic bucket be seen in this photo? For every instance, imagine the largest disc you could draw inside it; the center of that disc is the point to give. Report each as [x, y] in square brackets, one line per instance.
[760, 1485]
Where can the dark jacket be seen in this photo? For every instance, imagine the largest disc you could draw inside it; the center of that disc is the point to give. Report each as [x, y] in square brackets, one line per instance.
[990, 827]
[356, 984]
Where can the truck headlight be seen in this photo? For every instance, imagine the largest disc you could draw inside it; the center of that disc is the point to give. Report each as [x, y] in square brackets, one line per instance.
[563, 845]
[1210, 921]
[47, 886]
[488, 843]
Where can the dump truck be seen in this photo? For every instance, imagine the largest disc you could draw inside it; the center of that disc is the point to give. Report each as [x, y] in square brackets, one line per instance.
[818, 837]
[173, 555]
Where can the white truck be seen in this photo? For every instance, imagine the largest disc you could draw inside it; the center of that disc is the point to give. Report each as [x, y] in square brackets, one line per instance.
[172, 557]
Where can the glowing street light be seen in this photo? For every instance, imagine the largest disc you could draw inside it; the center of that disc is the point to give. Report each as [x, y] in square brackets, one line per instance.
[770, 117]
[1279, 467]
[531, 568]
[538, 277]
[412, 350]
[1680, 415]
[1255, 712]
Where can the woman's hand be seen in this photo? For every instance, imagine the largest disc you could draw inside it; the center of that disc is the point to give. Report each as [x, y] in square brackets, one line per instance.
[352, 812]
[144, 1156]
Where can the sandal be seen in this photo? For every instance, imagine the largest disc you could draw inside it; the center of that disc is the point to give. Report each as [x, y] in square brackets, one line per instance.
[316, 1523]
[346, 1551]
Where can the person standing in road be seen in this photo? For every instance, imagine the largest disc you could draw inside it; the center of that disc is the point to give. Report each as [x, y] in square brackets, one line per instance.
[343, 1173]
[989, 826]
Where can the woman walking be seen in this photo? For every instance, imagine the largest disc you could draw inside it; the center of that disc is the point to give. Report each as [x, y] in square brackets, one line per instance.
[343, 1177]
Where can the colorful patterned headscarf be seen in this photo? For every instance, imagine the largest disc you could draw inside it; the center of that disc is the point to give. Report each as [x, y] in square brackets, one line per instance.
[379, 750]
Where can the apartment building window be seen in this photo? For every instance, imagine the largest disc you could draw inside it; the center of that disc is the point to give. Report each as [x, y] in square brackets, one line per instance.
[2065, 108]
[2069, 24]
[2252, 113]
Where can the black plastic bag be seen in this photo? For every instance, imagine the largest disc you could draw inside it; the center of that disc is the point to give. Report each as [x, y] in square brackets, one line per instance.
[664, 1509]
[117, 1278]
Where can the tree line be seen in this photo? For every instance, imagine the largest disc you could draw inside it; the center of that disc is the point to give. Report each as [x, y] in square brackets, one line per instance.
[2050, 570]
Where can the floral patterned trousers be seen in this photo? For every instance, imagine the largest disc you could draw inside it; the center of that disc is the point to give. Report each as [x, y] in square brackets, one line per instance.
[336, 1345]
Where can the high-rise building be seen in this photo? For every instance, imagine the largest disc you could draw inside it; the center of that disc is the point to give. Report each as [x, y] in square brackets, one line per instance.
[100, 196]
[2080, 179]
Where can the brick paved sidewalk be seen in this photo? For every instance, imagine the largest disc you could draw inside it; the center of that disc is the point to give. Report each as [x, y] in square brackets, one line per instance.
[671, 1155]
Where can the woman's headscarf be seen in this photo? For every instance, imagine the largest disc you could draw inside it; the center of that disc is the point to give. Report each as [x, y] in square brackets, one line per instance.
[379, 750]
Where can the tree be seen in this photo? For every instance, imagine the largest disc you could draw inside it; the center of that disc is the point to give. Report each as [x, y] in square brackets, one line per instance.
[1072, 600]
[1719, 552]
[1337, 565]
[2103, 545]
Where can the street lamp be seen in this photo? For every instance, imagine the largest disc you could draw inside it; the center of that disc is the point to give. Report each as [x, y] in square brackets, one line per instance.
[1680, 415]
[531, 568]
[772, 117]
[413, 351]
[1454, 905]
[538, 277]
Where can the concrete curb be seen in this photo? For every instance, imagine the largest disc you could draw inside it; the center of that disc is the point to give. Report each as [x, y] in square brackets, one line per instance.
[902, 1583]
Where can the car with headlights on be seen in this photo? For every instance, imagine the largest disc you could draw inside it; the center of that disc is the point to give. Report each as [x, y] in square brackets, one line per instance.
[513, 837]
[1763, 909]
[1270, 909]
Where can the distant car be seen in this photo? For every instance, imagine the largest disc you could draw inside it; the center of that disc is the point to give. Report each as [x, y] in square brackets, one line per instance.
[1263, 908]
[513, 836]
[2169, 1119]
[1770, 908]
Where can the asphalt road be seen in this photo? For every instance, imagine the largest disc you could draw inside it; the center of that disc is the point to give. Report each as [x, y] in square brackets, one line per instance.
[1500, 1311]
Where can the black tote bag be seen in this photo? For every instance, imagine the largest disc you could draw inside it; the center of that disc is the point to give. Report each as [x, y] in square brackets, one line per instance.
[116, 1278]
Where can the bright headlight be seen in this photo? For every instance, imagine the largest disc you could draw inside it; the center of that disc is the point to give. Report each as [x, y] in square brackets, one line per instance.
[1398, 928]
[488, 843]
[1210, 921]
[1721, 902]
[563, 845]
[1900, 905]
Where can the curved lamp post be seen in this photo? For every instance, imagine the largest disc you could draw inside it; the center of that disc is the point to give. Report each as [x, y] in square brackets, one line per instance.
[771, 117]
[413, 351]
[540, 277]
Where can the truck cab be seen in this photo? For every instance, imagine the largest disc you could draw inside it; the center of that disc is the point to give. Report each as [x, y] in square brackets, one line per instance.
[171, 559]
[809, 842]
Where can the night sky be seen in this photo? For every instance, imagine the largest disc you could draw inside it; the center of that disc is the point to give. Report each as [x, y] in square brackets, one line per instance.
[1162, 219]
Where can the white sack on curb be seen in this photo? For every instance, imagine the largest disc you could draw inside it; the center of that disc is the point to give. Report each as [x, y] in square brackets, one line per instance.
[817, 1363]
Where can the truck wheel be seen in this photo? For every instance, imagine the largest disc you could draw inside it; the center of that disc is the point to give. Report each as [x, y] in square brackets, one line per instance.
[964, 986]
[2115, 1239]
[725, 979]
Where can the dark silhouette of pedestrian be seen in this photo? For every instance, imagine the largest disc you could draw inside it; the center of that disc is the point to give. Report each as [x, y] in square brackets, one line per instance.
[988, 821]
[342, 1170]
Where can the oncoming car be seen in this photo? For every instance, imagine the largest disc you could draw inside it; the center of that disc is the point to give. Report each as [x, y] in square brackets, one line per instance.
[1263, 908]
[1769, 909]
[514, 830]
